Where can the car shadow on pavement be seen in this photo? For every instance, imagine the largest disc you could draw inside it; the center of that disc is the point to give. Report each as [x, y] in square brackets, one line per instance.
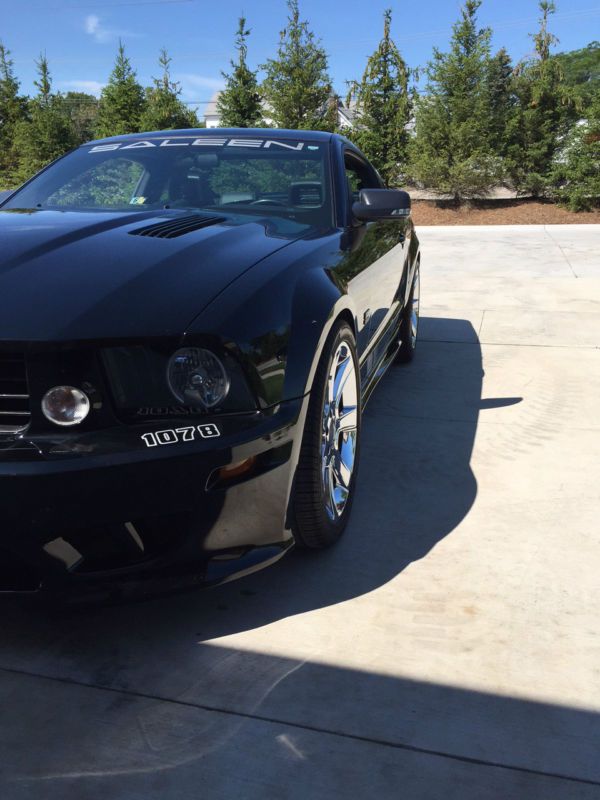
[231, 723]
[415, 486]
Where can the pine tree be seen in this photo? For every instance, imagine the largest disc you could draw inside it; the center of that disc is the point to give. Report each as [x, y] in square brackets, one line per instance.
[383, 108]
[239, 104]
[503, 102]
[122, 100]
[451, 151]
[164, 110]
[82, 109]
[297, 87]
[577, 171]
[13, 109]
[543, 119]
[47, 133]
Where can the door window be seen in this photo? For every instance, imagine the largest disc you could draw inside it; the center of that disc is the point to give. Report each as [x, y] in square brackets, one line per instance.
[359, 176]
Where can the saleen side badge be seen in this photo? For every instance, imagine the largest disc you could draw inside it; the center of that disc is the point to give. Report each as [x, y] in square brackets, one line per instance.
[187, 434]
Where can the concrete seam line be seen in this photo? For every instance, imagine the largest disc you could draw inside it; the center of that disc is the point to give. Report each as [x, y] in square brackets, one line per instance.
[564, 255]
[303, 726]
[481, 323]
[516, 344]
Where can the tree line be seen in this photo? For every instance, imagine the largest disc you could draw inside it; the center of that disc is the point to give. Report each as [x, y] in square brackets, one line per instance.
[478, 122]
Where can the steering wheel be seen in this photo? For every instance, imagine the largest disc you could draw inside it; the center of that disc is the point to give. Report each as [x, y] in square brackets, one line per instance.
[264, 200]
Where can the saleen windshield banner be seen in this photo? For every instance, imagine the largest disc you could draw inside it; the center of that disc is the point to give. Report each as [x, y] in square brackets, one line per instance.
[204, 141]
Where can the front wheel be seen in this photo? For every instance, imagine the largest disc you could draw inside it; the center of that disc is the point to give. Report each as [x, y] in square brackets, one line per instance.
[409, 323]
[328, 463]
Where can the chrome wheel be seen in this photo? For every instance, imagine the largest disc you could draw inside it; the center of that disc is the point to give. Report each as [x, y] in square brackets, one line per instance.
[414, 311]
[339, 431]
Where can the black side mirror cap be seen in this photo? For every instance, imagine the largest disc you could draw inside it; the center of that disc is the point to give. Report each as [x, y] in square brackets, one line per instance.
[374, 204]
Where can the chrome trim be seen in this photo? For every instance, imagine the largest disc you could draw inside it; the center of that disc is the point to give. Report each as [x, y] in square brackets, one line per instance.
[14, 395]
[12, 429]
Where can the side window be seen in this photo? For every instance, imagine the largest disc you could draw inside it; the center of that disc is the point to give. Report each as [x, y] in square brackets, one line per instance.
[111, 183]
[359, 176]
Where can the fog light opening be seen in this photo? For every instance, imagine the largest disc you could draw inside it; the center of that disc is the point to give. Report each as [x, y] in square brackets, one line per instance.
[65, 405]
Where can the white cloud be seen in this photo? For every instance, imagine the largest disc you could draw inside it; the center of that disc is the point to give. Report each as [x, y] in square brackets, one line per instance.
[92, 23]
[100, 33]
[91, 87]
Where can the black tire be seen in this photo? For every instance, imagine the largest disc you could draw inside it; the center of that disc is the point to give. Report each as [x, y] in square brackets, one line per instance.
[408, 342]
[312, 525]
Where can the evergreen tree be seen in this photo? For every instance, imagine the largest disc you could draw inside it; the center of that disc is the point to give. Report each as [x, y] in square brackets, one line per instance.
[503, 102]
[383, 108]
[581, 71]
[543, 112]
[82, 110]
[13, 109]
[577, 170]
[122, 100]
[239, 104]
[451, 151]
[47, 133]
[297, 87]
[164, 110]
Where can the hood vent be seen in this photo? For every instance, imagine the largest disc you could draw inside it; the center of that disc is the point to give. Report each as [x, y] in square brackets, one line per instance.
[178, 226]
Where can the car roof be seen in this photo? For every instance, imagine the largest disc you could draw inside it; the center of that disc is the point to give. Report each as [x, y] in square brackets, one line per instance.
[278, 133]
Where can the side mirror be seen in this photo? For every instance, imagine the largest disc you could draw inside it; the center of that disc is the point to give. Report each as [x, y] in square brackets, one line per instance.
[374, 204]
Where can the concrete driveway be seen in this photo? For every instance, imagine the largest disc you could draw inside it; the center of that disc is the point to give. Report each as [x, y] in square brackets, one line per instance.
[448, 647]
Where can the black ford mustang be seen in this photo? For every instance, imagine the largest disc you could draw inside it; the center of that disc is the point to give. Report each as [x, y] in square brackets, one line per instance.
[190, 324]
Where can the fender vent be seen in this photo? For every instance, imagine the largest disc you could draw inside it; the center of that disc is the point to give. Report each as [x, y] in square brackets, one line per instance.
[171, 228]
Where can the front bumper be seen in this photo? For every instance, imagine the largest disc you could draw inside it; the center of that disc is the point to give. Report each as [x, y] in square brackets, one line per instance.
[106, 509]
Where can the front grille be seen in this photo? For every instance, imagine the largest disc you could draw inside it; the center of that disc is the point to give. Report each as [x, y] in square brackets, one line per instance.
[14, 394]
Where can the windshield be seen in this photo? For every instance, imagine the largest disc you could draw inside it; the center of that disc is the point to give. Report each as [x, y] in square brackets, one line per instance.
[247, 175]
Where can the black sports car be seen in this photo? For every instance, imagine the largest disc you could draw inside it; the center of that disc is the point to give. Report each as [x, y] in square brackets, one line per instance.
[190, 325]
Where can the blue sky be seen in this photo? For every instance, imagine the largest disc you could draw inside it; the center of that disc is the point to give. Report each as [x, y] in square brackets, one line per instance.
[80, 36]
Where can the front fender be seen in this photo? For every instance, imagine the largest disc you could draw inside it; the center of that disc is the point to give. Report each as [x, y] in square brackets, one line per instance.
[318, 303]
[276, 317]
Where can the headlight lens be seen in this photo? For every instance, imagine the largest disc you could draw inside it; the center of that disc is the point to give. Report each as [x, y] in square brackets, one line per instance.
[65, 405]
[197, 376]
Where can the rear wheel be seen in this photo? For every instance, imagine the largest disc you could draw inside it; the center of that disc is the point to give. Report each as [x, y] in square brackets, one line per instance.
[327, 468]
[409, 324]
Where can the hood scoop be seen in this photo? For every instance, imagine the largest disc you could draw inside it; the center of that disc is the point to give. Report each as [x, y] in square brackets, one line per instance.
[171, 228]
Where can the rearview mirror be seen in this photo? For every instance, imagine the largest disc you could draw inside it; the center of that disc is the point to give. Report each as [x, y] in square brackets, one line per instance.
[374, 204]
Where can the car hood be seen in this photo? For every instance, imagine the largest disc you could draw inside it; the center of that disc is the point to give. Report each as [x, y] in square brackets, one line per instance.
[68, 276]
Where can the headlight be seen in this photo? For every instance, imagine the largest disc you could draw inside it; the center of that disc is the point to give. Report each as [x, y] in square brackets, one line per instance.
[197, 377]
[65, 405]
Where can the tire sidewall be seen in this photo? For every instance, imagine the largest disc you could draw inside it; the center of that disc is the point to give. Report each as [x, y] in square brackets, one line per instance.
[407, 348]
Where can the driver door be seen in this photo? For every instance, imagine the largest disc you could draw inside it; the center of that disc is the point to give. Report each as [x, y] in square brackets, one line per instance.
[381, 248]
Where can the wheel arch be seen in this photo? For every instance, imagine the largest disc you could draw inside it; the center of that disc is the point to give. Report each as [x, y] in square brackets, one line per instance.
[308, 339]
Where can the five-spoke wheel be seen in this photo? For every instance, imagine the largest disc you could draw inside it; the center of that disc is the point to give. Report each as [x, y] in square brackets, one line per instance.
[339, 430]
[327, 467]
